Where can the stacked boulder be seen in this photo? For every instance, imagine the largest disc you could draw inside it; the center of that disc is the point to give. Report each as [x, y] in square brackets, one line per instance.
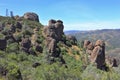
[89, 46]
[31, 16]
[97, 54]
[53, 34]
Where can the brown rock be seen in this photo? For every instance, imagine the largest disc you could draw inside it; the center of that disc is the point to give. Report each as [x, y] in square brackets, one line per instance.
[38, 48]
[72, 39]
[51, 44]
[90, 46]
[100, 43]
[111, 62]
[12, 28]
[18, 25]
[49, 31]
[59, 29]
[51, 22]
[98, 54]
[26, 44]
[31, 16]
[115, 62]
[3, 44]
[86, 43]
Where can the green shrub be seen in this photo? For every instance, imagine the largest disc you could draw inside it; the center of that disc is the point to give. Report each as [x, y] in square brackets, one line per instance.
[63, 51]
[68, 43]
[12, 71]
[13, 47]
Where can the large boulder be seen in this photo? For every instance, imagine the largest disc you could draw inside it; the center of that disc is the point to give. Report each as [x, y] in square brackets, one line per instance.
[31, 16]
[25, 44]
[59, 29]
[86, 43]
[89, 48]
[72, 39]
[54, 29]
[18, 25]
[3, 44]
[111, 61]
[12, 28]
[51, 22]
[38, 48]
[100, 43]
[98, 54]
[51, 45]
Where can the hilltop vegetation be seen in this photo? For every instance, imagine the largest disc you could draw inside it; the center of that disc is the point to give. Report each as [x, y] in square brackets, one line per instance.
[30, 53]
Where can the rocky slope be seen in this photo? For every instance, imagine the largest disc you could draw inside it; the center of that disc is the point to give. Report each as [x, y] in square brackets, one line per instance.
[31, 51]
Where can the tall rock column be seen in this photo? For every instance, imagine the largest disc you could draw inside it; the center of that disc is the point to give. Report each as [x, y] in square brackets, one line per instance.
[98, 54]
[53, 34]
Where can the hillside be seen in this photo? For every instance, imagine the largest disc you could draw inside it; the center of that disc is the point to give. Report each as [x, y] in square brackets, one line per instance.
[31, 51]
[110, 36]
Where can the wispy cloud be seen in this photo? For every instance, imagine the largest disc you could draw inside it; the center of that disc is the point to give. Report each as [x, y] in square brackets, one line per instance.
[93, 25]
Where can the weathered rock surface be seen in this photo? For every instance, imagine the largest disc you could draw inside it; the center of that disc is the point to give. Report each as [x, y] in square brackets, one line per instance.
[98, 54]
[25, 44]
[31, 16]
[72, 39]
[3, 44]
[53, 34]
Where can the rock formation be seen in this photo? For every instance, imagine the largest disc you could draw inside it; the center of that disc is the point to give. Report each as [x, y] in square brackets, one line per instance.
[86, 43]
[111, 61]
[89, 46]
[59, 29]
[72, 39]
[12, 28]
[38, 48]
[18, 25]
[31, 16]
[53, 34]
[3, 44]
[25, 44]
[98, 54]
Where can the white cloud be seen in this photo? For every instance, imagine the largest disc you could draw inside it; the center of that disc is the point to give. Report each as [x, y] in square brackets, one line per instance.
[92, 25]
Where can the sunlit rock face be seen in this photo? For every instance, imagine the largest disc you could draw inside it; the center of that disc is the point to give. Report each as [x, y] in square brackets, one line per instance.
[31, 16]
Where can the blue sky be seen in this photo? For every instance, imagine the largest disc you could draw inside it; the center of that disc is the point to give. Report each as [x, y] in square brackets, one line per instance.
[76, 14]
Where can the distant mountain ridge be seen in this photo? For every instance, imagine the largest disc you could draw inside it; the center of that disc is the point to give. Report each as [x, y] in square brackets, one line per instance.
[87, 31]
[110, 36]
[72, 31]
